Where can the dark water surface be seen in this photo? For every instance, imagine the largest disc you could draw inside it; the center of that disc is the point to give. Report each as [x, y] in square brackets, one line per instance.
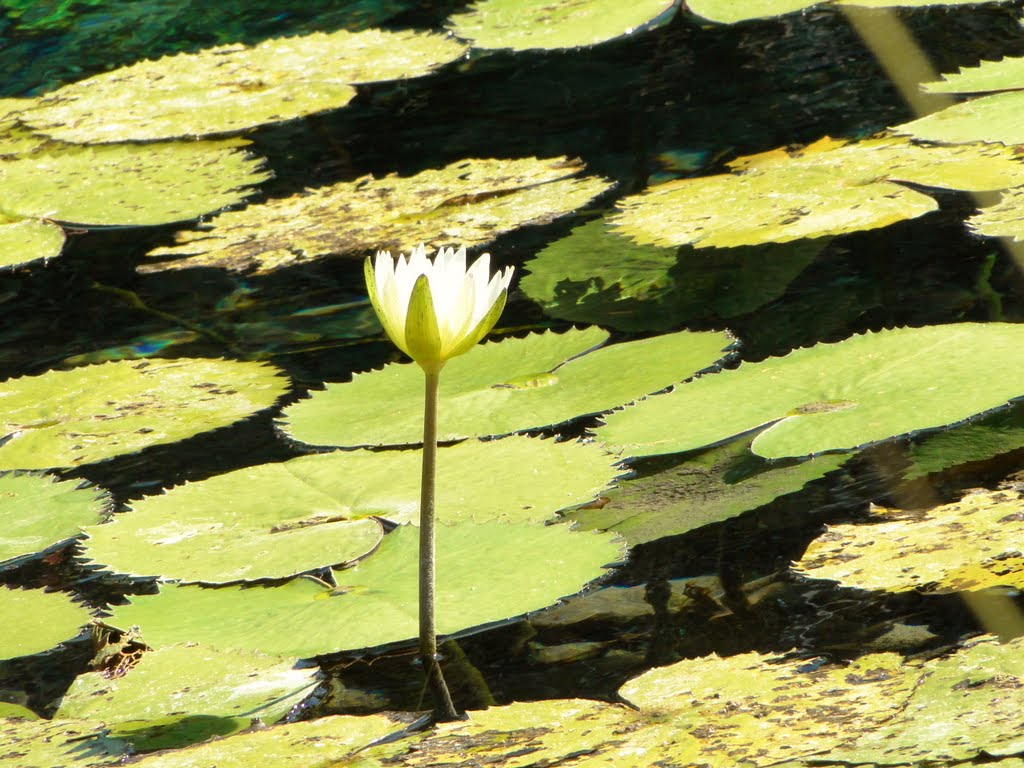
[628, 109]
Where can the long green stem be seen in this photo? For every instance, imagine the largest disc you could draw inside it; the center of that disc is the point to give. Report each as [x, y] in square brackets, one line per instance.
[444, 709]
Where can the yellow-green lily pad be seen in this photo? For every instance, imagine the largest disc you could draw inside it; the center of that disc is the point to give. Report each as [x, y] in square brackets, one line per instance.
[25, 240]
[523, 25]
[838, 396]
[1004, 219]
[87, 414]
[733, 11]
[1004, 75]
[50, 743]
[469, 202]
[998, 117]
[334, 741]
[232, 88]
[277, 520]
[502, 387]
[486, 573]
[35, 621]
[127, 184]
[970, 544]
[828, 188]
[38, 512]
[186, 693]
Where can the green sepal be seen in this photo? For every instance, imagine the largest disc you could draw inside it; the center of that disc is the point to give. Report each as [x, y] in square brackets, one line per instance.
[482, 328]
[421, 332]
[386, 321]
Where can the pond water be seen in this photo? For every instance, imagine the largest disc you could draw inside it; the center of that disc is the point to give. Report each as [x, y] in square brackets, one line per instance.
[677, 101]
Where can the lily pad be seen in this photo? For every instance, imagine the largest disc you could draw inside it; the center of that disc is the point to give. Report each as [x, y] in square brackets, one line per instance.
[469, 202]
[680, 496]
[596, 276]
[970, 544]
[324, 741]
[486, 573]
[39, 512]
[834, 396]
[523, 25]
[35, 621]
[994, 435]
[278, 520]
[25, 240]
[87, 414]
[759, 709]
[1004, 219]
[502, 387]
[828, 188]
[733, 11]
[50, 743]
[126, 184]
[1004, 75]
[969, 705]
[994, 118]
[232, 88]
[182, 694]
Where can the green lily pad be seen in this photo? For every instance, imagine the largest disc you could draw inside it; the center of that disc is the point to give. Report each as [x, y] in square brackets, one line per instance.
[835, 396]
[596, 276]
[39, 512]
[500, 388]
[1004, 75]
[333, 740]
[182, 694]
[676, 497]
[278, 520]
[732, 11]
[1004, 219]
[997, 434]
[828, 188]
[759, 709]
[469, 202]
[970, 544]
[12, 711]
[50, 743]
[968, 704]
[87, 414]
[232, 88]
[35, 621]
[994, 118]
[486, 573]
[127, 184]
[25, 240]
[523, 25]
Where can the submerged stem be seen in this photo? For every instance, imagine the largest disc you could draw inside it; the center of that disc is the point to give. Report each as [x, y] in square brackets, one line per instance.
[444, 709]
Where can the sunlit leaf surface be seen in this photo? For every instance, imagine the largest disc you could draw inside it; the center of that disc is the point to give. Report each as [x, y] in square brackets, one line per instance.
[1004, 75]
[486, 572]
[828, 188]
[35, 621]
[25, 240]
[50, 743]
[278, 520]
[666, 500]
[182, 694]
[82, 415]
[324, 741]
[502, 387]
[38, 512]
[126, 184]
[527, 24]
[234, 87]
[835, 396]
[469, 202]
[997, 434]
[1005, 218]
[995, 118]
[970, 544]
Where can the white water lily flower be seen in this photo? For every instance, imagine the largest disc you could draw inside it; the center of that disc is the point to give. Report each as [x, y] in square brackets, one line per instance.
[436, 310]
